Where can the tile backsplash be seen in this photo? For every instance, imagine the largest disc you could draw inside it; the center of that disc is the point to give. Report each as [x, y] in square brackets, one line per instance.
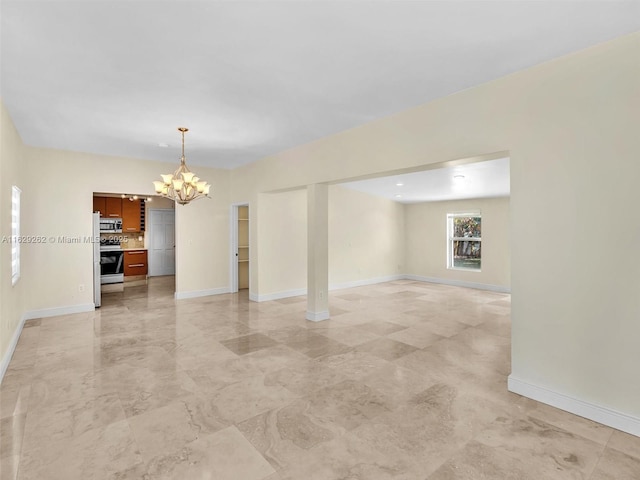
[127, 240]
[131, 240]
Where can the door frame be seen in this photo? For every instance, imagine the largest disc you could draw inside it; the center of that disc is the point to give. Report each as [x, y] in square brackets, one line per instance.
[149, 230]
[233, 243]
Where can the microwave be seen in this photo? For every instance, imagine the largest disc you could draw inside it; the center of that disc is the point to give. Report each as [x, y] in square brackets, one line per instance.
[110, 225]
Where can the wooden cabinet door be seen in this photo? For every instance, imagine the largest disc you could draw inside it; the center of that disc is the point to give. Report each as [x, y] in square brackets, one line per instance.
[99, 205]
[113, 207]
[135, 262]
[130, 216]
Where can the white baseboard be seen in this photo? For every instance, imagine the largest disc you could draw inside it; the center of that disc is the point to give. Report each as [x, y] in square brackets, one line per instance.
[56, 311]
[6, 358]
[201, 293]
[597, 413]
[458, 283]
[267, 297]
[337, 286]
[372, 281]
[317, 316]
[366, 281]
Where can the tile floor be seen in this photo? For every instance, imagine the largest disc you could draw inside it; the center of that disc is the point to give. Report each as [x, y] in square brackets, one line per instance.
[406, 381]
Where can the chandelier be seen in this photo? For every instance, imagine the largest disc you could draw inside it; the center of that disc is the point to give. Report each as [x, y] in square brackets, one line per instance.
[183, 186]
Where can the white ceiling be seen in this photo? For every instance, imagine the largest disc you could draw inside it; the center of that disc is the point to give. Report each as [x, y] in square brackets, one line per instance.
[472, 180]
[254, 78]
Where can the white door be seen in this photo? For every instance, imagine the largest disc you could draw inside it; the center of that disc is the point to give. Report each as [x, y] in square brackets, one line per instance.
[162, 260]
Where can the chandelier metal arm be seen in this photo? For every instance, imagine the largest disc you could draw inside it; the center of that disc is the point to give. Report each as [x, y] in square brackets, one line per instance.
[183, 186]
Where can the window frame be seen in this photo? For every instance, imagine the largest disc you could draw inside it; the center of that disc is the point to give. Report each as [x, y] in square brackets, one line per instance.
[15, 234]
[451, 239]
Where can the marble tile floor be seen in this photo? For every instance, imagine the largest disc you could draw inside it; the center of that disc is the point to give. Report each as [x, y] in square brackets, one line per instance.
[406, 381]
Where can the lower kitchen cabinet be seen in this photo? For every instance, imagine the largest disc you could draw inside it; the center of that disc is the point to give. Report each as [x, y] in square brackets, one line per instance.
[135, 262]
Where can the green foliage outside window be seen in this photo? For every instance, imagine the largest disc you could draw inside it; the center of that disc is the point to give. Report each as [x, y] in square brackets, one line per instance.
[466, 253]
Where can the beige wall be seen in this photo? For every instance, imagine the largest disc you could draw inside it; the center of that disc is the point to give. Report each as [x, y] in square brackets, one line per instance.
[366, 239]
[55, 270]
[426, 240]
[366, 236]
[11, 173]
[282, 229]
[202, 238]
[570, 127]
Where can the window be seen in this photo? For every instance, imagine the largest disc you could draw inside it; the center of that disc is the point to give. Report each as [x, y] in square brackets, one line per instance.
[15, 234]
[464, 241]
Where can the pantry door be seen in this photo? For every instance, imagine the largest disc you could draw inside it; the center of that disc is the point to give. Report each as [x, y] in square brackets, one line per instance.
[162, 251]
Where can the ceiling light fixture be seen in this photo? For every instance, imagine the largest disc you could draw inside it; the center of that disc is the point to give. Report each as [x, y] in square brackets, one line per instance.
[183, 186]
[131, 198]
[458, 177]
[398, 195]
[399, 184]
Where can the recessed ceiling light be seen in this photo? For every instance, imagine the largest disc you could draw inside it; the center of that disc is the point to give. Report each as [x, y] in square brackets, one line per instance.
[458, 177]
[163, 145]
[398, 195]
[399, 184]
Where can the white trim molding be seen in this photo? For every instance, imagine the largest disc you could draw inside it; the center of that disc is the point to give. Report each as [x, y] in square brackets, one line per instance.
[366, 281]
[338, 286]
[267, 297]
[597, 413]
[459, 283]
[11, 348]
[56, 311]
[317, 316]
[201, 293]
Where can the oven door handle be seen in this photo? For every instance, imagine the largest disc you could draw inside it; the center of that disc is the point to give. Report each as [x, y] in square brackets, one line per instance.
[119, 266]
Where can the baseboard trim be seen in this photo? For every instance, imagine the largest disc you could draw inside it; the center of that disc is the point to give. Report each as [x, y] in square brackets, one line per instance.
[597, 413]
[201, 293]
[372, 281]
[458, 283]
[6, 358]
[366, 281]
[267, 297]
[337, 286]
[56, 311]
[317, 316]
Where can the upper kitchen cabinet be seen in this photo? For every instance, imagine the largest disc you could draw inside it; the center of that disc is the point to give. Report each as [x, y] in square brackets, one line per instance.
[99, 205]
[131, 215]
[113, 207]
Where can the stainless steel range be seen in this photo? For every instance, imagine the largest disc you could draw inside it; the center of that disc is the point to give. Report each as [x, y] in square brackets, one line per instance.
[111, 262]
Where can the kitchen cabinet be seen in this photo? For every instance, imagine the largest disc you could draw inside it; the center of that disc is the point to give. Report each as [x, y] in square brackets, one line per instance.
[99, 205]
[131, 216]
[135, 262]
[113, 207]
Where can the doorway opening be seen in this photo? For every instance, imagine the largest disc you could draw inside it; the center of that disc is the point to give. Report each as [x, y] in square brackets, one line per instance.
[130, 232]
[240, 265]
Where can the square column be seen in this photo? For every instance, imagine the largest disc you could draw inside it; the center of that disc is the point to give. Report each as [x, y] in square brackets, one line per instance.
[317, 252]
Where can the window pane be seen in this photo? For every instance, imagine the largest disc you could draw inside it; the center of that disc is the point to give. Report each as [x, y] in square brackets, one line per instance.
[15, 234]
[466, 254]
[467, 227]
